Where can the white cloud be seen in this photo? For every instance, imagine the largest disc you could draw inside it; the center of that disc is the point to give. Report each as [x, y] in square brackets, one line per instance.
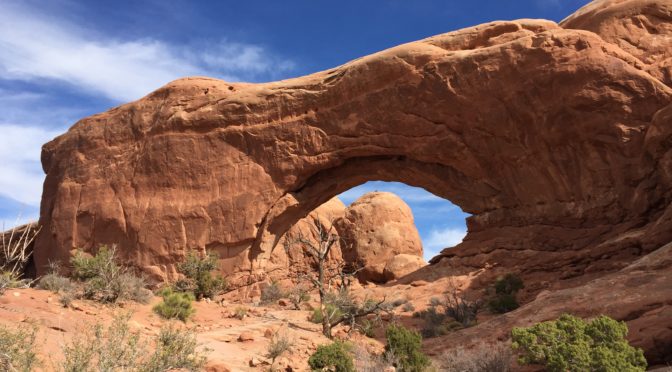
[438, 239]
[36, 48]
[21, 175]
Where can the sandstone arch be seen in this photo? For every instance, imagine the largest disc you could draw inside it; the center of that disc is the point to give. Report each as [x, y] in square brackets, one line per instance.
[556, 140]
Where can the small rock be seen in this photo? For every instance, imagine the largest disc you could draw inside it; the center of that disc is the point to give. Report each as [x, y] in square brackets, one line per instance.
[390, 369]
[254, 362]
[268, 333]
[246, 337]
[216, 366]
[419, 283]
[283, 302]
[16, 294]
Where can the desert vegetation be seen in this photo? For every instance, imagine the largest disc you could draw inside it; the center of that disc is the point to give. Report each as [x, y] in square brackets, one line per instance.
[332, 283]
[15, 253]
[571, 343]
[505, 290]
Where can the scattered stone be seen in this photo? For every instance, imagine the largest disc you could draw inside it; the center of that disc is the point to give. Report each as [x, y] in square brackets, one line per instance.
[216, 366]
[246, 337]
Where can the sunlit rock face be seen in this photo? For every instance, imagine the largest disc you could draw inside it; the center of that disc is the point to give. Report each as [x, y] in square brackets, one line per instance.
[556, 140]
[374, 230]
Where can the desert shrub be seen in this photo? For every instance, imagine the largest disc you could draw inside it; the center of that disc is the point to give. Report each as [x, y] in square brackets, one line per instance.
[398, 302]
[503, 303]
[435, 301]
[508, 284]
[573, 343]
[408, 307]
[271, 293]
[481, 358]
[333, 357]
[65, 298]
[240, 313]
[55, 283]
[176, 349]
[199, 280]
[175, 305]
[85, 267]
[298, 295]
[367, 327]
[10, 280]
[15, 252]
[406, 346]
[434, 322]
[461, 309]
[117, 348]
[17, 349]
[104, 349]
[504, 300]
[278, 345]
[331, 310]
[365, 361]
[106, 281]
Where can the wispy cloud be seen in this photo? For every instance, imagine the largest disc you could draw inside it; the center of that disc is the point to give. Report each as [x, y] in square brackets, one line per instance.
[53, 71]
[21, 176]
[38, 47]
[438, 239]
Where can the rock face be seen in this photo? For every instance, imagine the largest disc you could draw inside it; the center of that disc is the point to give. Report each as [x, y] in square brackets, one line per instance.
[556, 138]
[402, 265]
[376, 233]
[376, 228]
[289, 255]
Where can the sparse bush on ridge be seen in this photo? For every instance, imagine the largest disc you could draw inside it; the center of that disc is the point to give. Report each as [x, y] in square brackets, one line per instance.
[508, 284]
[571, 343]
[504, 299]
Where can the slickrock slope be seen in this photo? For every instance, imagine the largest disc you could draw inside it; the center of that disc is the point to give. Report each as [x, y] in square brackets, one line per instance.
[375, 229]
[556, 138]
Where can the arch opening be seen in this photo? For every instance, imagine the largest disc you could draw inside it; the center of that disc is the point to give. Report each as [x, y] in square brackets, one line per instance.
[440, 223]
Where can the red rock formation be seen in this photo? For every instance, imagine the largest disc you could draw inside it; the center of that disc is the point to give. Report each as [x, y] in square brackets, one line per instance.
[376, 228]
[557, 141]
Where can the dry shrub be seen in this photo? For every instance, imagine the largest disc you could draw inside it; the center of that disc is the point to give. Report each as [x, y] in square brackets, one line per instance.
[118, 348]
[105, 281]
[17, 349]
[279, 344]
[481, 358]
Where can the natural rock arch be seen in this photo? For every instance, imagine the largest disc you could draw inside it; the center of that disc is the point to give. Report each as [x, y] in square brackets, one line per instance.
[556, 140]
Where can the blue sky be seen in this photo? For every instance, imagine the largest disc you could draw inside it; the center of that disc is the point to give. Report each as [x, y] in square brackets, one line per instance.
[61, 60]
